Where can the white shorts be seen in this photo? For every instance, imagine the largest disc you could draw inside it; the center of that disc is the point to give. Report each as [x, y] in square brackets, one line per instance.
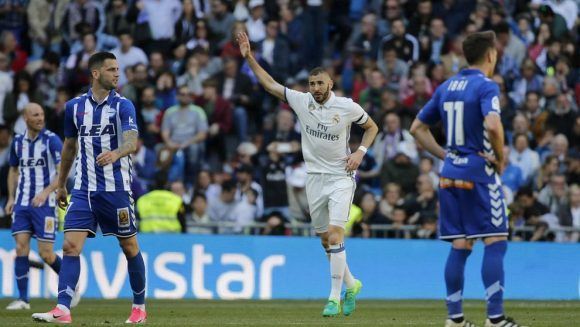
[329, 199]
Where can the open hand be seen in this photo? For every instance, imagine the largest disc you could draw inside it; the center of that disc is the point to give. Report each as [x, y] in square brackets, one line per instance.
[244, 44]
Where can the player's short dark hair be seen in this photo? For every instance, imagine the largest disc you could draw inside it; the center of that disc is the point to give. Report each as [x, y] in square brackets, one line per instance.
[97, 60]
[317, 71]
[476, 46]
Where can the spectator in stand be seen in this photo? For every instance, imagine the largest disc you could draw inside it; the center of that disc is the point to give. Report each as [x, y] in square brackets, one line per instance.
[427, 167]
[222, 209]
[221, 22]
[162, 16]
[369, 39]
[555, 194]
[24, 92]
[6, 84]
[144, 160]
[529, 81]
[201, 37]
[398, 224]
[10, 47]
[220, 115]
[186, 24]
[274, 49]
[512, 177]
[392, 140]
[454, 60]
[244, 176]
[370, 98]
[77, 64]
[523, 157]
[421, 19]
[198, 215]
[255, 23]
[392, 67]
[570, 214]
[128, 55]
[400, 170]
[422, 203]
[45, 18]
[184, 128]
[405, 44]
[79, 12]
[5, 141]
[117, 21]
[47, 80]
[147, 116]
[370, 216]
[236, 88]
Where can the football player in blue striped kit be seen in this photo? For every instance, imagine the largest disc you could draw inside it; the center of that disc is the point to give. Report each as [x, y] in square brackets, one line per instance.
[101, 132]
[470, 194]
[34, 162]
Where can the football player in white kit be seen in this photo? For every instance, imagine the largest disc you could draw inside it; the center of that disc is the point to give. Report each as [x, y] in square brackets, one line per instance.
[325, 120]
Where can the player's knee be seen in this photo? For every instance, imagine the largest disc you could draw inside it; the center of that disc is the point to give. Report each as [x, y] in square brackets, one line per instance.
[70, 248]
[47, 255]
[22, 248]
[130, 248]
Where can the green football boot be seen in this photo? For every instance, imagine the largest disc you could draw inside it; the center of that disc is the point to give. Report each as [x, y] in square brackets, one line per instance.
[349, 303]
[331, 309]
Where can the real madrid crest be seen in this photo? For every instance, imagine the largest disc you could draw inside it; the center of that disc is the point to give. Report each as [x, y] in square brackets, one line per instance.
[336, 119]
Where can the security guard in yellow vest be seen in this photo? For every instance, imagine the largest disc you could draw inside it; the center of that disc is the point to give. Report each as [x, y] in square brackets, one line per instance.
[161, 211]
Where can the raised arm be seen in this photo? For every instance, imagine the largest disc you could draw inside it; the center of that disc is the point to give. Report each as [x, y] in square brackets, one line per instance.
[269, 84]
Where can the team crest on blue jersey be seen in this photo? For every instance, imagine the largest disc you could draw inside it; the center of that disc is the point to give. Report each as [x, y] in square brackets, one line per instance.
[97, 130]
[123, 217]
[110, 112]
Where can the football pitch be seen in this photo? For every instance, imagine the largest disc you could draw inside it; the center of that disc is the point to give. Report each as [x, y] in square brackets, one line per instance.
[292, 313]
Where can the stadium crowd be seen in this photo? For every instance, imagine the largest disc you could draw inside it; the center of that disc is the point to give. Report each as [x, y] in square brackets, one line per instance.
[215, 148]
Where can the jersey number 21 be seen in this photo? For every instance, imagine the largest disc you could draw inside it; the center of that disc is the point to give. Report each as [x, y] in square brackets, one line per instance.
[454, 111]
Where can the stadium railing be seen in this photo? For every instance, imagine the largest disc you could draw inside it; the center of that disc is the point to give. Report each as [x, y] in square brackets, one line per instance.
[375, 231]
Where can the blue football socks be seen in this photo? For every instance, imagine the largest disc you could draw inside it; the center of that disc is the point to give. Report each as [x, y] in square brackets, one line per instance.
[136, 268]
[493, 277]
[68, 278]
[454, 279]
[21, 267]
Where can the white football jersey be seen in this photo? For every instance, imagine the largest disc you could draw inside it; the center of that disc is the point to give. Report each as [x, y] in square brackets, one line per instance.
[325, 130]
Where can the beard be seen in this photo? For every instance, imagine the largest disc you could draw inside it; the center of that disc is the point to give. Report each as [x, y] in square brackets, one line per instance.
[325, 95]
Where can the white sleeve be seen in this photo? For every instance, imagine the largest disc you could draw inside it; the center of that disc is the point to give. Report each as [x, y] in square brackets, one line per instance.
[298, 101]
[357, 114]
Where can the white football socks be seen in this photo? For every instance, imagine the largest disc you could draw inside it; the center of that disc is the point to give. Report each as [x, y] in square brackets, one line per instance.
[348, 277]
[337, 269]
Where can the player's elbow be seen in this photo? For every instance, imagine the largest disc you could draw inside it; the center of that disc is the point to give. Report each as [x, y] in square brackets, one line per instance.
[416, 127]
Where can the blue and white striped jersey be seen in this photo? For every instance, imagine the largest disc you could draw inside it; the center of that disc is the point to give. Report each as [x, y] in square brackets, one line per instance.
[36, 160]
[99, 128]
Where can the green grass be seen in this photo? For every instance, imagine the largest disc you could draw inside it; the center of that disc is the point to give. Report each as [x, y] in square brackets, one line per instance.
[290, 313]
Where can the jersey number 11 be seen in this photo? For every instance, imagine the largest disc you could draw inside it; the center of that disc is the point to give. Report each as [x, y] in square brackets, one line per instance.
[454, 111]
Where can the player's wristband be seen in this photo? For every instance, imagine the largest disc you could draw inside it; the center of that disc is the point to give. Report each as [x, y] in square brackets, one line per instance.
[363, 149]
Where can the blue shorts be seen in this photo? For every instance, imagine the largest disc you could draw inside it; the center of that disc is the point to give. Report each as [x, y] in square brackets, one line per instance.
[471, 210]
[40, 222]
[113, 212]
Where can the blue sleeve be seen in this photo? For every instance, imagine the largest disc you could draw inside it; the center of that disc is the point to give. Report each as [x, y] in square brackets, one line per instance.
[55, 148]
[13, 157]
[489, 98]
[128, 116]
[430, 114]
[70, 129]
